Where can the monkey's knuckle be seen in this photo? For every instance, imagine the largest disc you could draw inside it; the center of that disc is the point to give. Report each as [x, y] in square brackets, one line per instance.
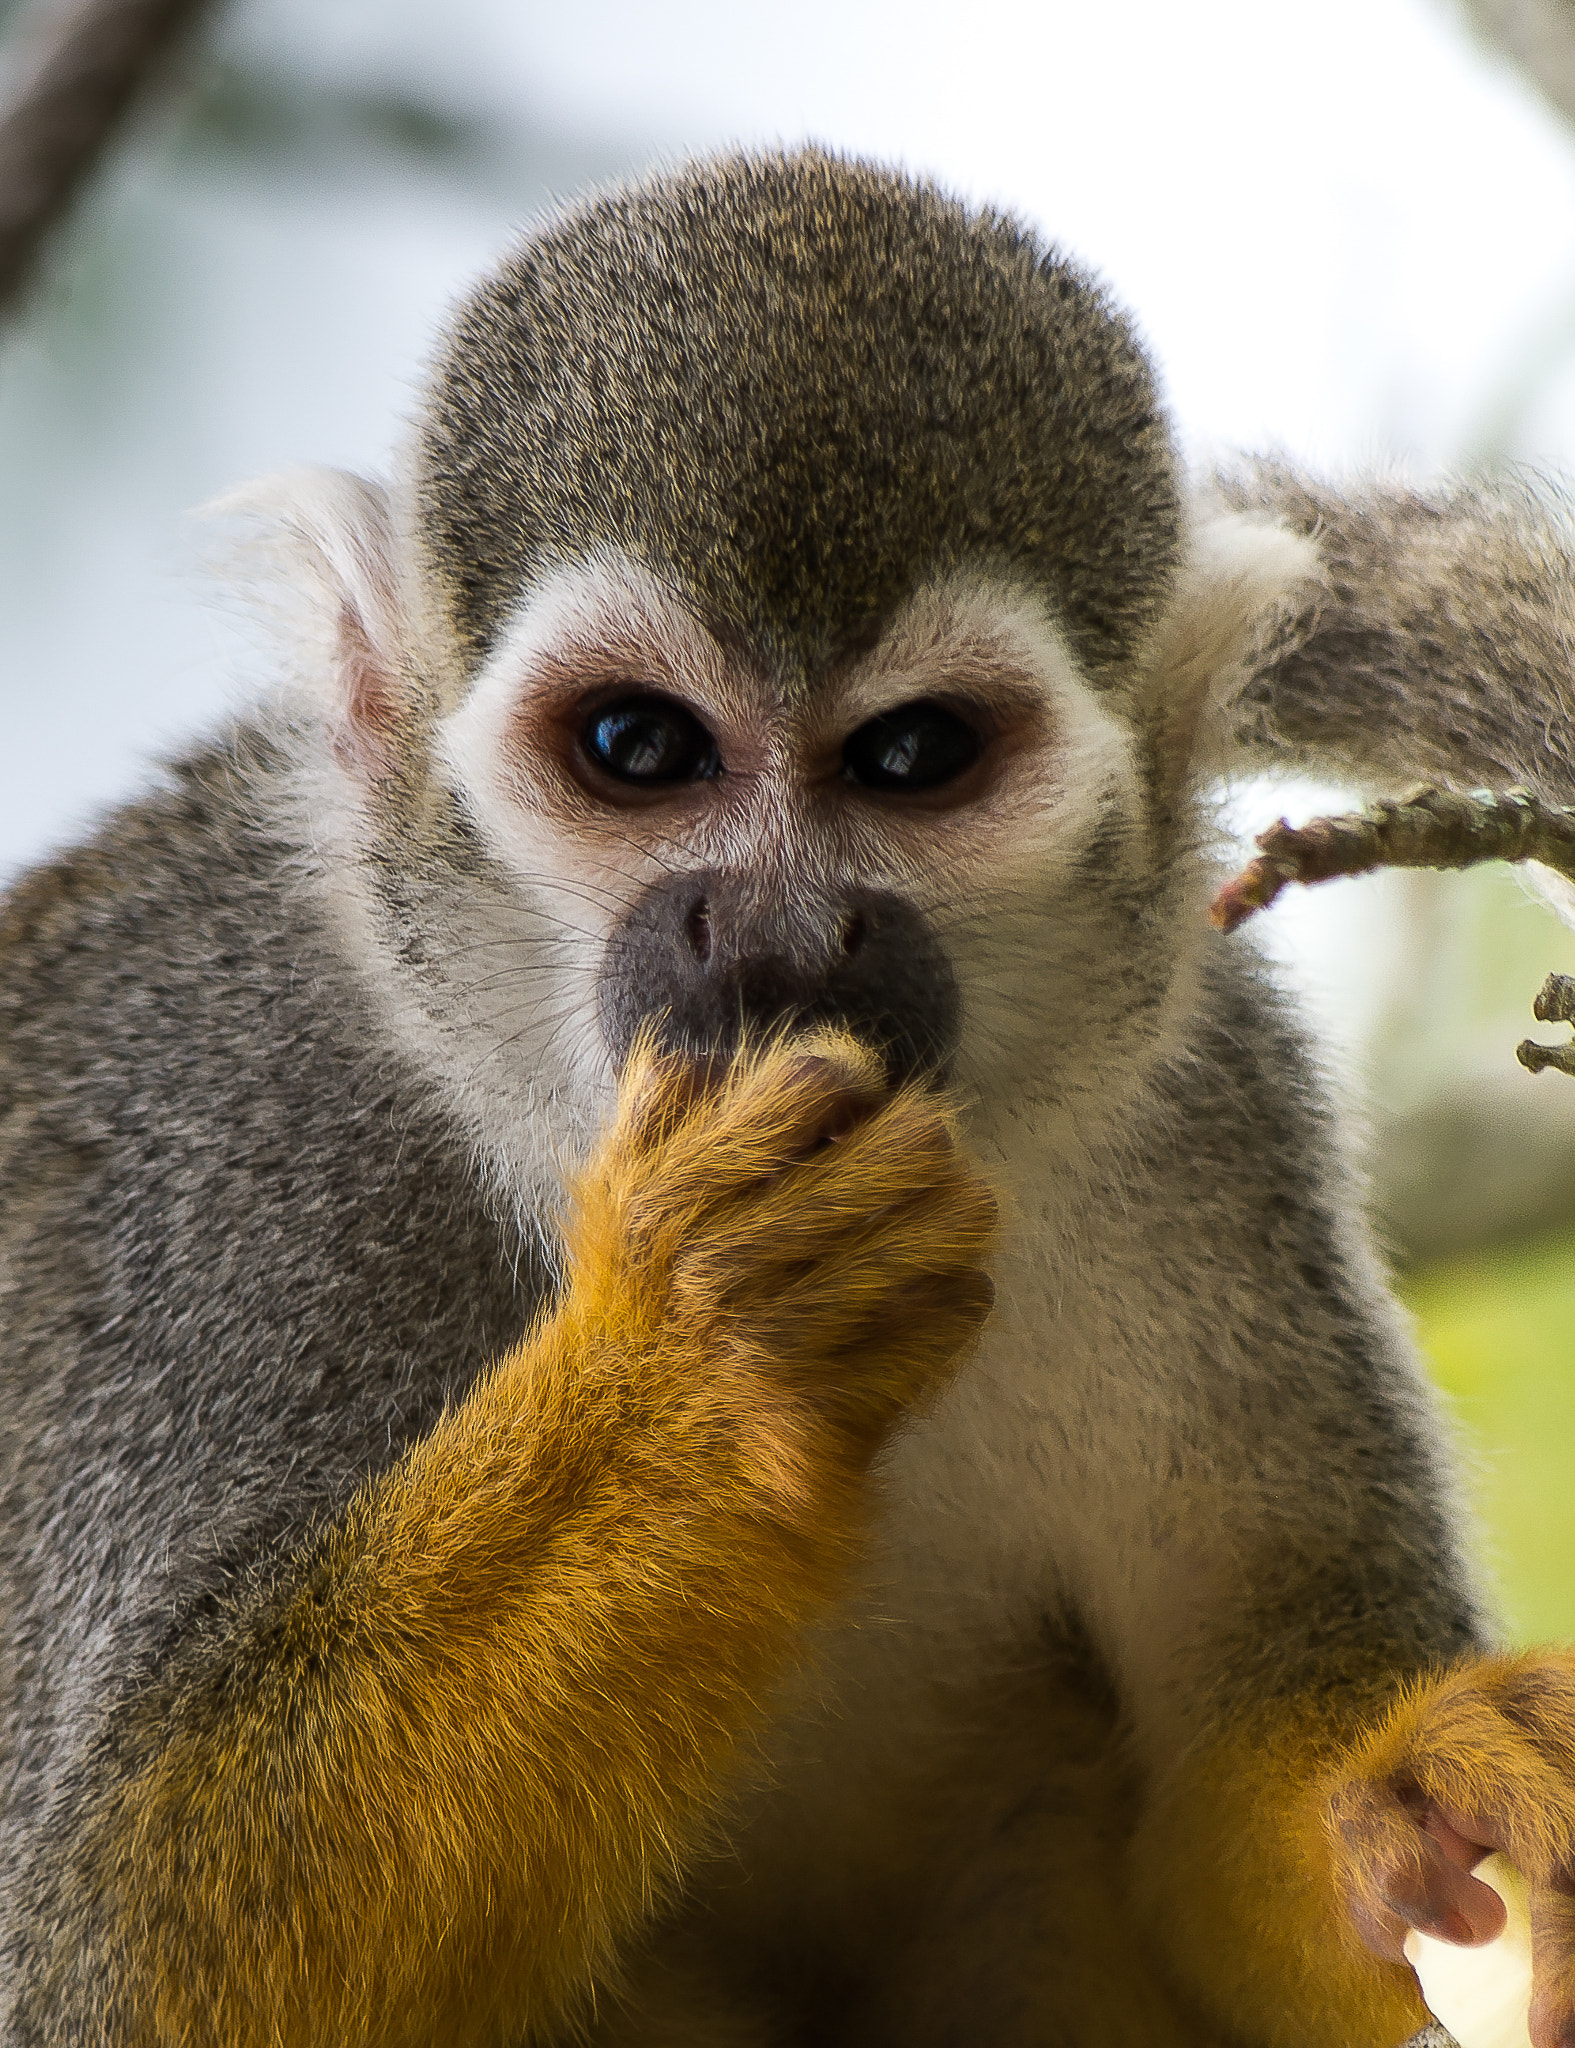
[802, 1076]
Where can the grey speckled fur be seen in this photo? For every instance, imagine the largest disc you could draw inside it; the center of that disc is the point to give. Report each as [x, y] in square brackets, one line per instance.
[187, 1077]
[1440, 644]
[1004, 418]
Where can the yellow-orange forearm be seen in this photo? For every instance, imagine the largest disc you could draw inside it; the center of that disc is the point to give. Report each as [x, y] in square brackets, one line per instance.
[443, 1770]
[489, 1730]
[1234, 1875]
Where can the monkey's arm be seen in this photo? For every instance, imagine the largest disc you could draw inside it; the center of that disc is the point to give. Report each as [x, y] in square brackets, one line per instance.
[1362, 1811]
[1439, 645]
[1237, 1878]
[1285, 1528]
[417, 1788]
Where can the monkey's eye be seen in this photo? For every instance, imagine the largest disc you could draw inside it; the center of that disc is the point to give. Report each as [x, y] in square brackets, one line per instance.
[917, 746]
[650, 739]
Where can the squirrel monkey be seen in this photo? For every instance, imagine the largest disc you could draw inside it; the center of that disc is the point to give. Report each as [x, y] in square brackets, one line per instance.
[516, 1525]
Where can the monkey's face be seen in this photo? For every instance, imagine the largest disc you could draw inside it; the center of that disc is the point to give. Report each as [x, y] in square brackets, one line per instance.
[900, 844]
[786, 552]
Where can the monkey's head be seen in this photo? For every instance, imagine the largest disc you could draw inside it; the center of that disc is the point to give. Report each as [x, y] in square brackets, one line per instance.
[789, 614]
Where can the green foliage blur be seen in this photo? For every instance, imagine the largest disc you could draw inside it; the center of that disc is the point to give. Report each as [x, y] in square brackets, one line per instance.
[1499, 1330]
[1475, 1158]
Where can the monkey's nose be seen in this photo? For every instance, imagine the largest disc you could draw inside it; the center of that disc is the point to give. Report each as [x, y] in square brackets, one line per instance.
[767, 991]
[697, 929]
[715, 957]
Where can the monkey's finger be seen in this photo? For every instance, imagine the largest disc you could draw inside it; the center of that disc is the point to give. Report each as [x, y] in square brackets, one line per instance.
[1399, 1875]
[1459, 1835]
[1493, 1746]
[658, 1093]
[660, 1090]
[768, 1114]
[902, 1151]
[871, 1368]
[692, 1143]
[894, 1360]
[887, 1335]
[1552, 2017]
[1529, 1818]
[945, 1227]
[1443, 1900]
[830, 1316]
[804, 1255]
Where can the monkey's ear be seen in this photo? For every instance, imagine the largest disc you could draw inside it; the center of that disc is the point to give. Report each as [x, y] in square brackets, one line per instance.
[1243, 579]
[318, 546]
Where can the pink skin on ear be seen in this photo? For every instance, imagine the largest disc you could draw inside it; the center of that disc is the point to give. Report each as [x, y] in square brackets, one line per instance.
[365, 733]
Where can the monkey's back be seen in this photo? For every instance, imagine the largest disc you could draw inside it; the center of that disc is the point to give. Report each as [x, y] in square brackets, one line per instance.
[242, 1261]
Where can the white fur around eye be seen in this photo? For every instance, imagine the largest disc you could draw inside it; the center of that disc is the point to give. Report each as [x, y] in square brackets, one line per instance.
[474, 740]
[567, 621]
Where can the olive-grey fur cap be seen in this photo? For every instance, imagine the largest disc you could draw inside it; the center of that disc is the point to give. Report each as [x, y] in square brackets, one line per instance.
[793, 388]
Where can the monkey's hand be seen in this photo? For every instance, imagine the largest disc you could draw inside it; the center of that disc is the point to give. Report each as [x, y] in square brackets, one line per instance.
[419, 1783]
[810, 1241]
[1481, 1757]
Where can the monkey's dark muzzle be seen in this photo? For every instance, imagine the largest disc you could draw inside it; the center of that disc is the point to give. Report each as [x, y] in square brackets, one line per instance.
[709, 960]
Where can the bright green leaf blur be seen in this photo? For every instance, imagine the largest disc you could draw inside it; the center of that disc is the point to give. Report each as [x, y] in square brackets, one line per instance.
[1499, 1329]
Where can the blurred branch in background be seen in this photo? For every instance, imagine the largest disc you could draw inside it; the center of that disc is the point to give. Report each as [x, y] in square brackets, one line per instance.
[1484, 1161]
[1539, 37]
[268, 119]
[75, 72]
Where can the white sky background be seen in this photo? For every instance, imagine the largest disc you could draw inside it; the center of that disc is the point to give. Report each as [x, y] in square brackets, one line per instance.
[1343, 230]
[1340, 225]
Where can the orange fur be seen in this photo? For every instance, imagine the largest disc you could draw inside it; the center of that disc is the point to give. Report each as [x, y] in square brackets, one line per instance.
[1490, 1741]
[1234, 1870]
[493, 1709]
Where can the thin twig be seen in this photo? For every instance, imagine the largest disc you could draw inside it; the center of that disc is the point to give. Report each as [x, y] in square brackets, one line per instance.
[1430, 828]
[1555, 1004]
[89, 63]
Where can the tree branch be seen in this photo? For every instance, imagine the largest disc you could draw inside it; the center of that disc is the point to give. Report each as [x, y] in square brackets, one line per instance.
[1430, 828]
[1538, 36]
[87, 65]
